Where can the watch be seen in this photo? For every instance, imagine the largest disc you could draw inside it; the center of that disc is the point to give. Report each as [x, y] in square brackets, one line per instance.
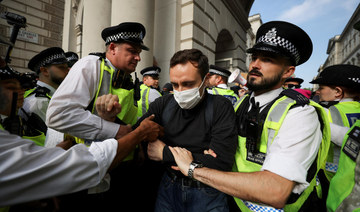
[193, 165]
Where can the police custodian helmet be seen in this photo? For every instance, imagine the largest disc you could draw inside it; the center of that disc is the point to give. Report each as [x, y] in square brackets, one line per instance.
[49, 56]
[130, 32]
[340, 75]
[285, 39]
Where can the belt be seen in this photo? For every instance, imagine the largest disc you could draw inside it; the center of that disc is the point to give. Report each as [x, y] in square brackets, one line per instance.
[185, 181]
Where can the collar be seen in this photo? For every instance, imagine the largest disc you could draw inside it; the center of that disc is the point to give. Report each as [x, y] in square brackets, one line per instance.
[347, 100]
[107, 61]
[43, 84]
[267, 97]
[224, 86]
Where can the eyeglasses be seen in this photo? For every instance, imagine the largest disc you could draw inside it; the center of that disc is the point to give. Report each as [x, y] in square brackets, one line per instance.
[292, 86]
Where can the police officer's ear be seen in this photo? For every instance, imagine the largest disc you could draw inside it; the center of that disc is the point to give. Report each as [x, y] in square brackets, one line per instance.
[111, 48]
[288, 72]
[44, 71]
[339, 92]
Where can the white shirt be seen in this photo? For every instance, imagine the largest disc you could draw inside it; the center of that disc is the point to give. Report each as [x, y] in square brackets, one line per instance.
[37, 105]
[295, 147]
[224, 86]
[66, 112]
[153, 94]
[30, 172]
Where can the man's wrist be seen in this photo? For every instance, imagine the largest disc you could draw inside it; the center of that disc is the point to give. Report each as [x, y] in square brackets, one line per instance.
[192, 167]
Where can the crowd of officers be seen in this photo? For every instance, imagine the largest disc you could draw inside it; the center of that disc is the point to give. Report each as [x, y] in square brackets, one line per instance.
[87, 136]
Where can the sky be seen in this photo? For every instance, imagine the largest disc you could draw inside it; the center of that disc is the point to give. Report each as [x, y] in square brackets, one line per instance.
[321, 19]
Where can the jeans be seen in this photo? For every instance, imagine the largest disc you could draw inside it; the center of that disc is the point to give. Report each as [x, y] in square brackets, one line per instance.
[173, 196]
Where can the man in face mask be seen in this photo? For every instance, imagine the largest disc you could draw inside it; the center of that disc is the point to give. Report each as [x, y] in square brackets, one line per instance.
[195, 120]
[283, 137]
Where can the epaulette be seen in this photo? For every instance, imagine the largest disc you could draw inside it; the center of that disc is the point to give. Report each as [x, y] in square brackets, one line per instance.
[101, 55]
[300, 99]
[327, 104]
[42, 92]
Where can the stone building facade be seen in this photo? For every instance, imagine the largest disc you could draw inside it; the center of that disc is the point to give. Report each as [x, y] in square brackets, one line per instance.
[217, 27]
[44, 28]
[255, 22]
[345, 48]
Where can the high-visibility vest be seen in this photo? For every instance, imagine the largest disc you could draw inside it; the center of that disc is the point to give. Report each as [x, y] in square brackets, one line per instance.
[344, 190]
[42, 91]
[343, 114]
[272, 124]
[143, 102]
[128, 112]
[38, 139]
[227, 93]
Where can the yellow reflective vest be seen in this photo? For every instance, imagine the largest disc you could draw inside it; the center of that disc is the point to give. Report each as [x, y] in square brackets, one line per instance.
[344, 190]
[342, 114]
[128, 112]
[271, 127]
[143, 102]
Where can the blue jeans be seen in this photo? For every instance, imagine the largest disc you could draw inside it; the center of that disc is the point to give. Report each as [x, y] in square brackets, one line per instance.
[174, 196]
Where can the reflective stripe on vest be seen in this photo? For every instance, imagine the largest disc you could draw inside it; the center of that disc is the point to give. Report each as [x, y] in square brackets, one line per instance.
[344, 190]
[272, 124]
[143, 103]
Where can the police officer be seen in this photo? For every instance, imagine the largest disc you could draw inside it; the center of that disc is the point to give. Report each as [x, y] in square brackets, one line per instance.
[218, 83]
[344, 187]
[293, 82]
[339, 92]
[148, 90]
[51, 67]
[33, 172]
[93, 76]
[73, 107]
[280, 131]
[72, 58]
[33, 127]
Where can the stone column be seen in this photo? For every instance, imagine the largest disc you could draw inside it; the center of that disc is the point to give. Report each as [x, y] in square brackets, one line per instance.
[96, 17]
[69, 34]
[166, 34]
[137, 11]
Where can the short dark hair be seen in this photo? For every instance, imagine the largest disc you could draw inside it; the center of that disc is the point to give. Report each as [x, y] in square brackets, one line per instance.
[195, 57]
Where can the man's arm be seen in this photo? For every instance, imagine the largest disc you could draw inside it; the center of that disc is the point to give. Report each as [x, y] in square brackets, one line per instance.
[288, 158]
[263, 186]
[31, 172]
[146, 131]
[66, 112]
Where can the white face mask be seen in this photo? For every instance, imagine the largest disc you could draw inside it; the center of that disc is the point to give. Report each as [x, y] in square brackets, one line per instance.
[188, 99]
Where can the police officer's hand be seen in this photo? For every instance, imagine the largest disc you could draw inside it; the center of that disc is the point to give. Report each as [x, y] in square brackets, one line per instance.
[66, 144]
[107, 107]
[183, 158]
[150, 130]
